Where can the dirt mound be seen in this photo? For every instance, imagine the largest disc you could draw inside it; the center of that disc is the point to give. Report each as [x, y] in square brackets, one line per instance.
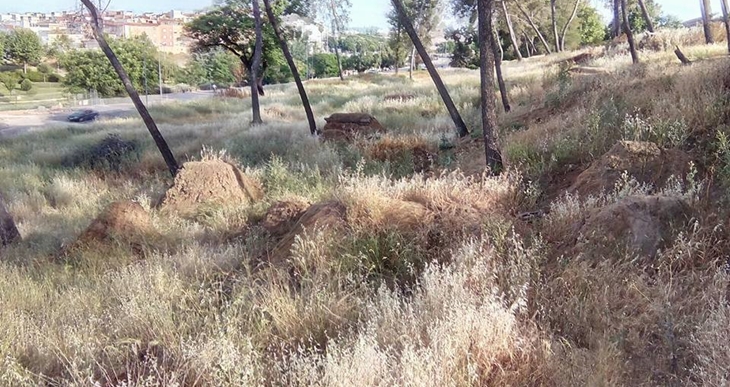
[210, 182]
[400, 97]
[347, 126]
[8, 232]
[393, 149]
[282, 216]
[644, 161]
[330, 215]
[123, 221]
[643, 223]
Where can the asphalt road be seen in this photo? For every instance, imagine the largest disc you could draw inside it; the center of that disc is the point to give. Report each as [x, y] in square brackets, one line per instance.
[22, 121]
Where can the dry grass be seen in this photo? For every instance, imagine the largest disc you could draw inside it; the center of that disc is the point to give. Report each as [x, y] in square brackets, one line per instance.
[432, 281]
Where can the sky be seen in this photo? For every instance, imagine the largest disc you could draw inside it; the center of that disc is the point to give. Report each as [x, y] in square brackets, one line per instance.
[364, 13]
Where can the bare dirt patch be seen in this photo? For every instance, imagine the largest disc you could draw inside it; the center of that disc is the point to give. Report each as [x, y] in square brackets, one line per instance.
[282, 216]
[347, 126]
[645, 224]
[644, 161]
[210, 182]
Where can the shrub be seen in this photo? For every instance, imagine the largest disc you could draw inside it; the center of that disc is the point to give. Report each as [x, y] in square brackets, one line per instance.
[34, 76]
[54, 78]
[324, 65]
[111, 153]
[26, 85]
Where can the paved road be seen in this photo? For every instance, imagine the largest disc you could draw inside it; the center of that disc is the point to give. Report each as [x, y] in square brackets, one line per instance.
[22, 121]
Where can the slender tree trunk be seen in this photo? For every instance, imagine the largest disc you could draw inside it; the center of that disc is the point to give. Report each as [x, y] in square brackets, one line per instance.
[616, 27]
[629, 34]
[726, 19]
[706, 8]
[486, 72]
[412, 63]
[336, 32]
[256, 65]
[534, 27]
[292, 67]
[8, 231]
[141, 108]
[567, 24]
[511, 29]
[647, 18]
[553, 17]
[494, 43]
[450, 106]
[524, 40]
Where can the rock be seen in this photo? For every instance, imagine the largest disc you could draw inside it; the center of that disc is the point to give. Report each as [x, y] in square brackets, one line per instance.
[643, 223]
[123, 221]
[330, 215]
[283, 216]
[210, 182]
[347, 126]
[644, 161]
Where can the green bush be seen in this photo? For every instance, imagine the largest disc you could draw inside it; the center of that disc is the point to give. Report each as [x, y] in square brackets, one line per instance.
[54, 78]
[113, 153]
[34, 76]
[26, 85]
[324, 65]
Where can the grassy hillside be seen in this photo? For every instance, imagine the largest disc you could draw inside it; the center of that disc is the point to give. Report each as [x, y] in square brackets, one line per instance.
[446, 277]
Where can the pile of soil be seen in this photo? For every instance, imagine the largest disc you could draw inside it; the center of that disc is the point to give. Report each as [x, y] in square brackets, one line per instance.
[399, 97]
[643, 223]
[347, 126]
[330, 215]
[210, 182]
[644, 161]
[8, 231]
[123, 221]
[283, 215]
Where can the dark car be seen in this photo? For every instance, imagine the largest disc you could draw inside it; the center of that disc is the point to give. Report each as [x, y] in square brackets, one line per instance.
[83, 115]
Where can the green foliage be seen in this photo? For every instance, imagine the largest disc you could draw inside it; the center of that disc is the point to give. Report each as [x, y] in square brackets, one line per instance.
[324, 65]
[34, 76]
[44, 68]
[361, 62]
[111, 153]
[23, 47]
[590, 26]
[465, 50]
[9, 80]
[26, 85]
[232, 27]
[91, 70]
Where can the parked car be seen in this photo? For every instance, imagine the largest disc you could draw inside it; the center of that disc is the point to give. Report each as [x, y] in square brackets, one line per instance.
[83, 115]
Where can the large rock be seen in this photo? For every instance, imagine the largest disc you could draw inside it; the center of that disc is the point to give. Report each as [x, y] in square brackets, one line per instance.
[644, 161]
[643, 223]
[346, 126]
[210, 182]
[125, 221]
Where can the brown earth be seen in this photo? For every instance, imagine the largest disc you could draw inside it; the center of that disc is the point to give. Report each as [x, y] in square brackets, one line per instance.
[210, 182]
[8, 231]
[123, 221]
[283, 215]
[643, 223]
[644, 161]
[330, 215]
[389, 148]
[347, 126]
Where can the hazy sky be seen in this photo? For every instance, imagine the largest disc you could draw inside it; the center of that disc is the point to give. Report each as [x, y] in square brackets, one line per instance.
[365, 13]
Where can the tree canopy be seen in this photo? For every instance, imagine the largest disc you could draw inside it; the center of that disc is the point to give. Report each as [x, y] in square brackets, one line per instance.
[23, 47]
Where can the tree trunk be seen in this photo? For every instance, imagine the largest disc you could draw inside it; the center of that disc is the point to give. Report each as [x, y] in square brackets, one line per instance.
[412, 63]
[8, 231]
[647, 18]
[567, 24]
[494, 43]
[616, 27]
[680, 55]
[255, 65]
[486, 72]
[141, 108]
[534, 27]
[726, 19]
[336, 33]
[707, 20]
[525, 42]
[511, 29]
[629, 34]
[292, 67]
[450, 106]
[554, 20]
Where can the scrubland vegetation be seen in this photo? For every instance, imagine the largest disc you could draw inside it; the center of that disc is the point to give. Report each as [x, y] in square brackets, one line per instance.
[431, 278]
